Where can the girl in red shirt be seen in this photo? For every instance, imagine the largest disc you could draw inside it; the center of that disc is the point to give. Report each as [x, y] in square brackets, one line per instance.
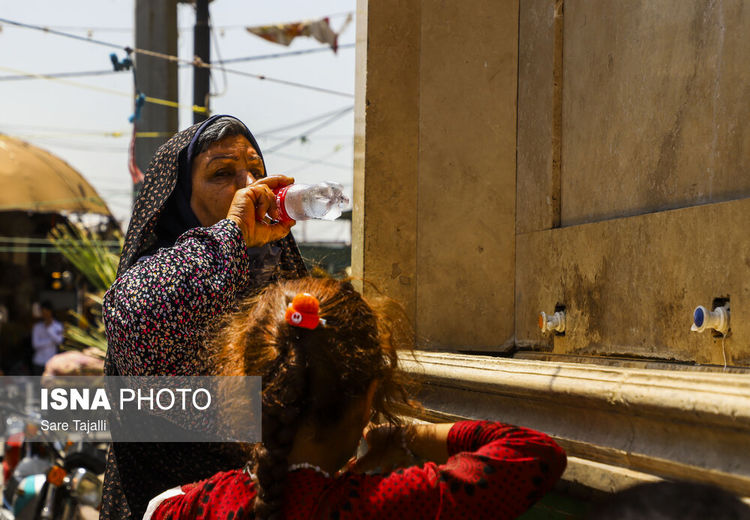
[328, 364]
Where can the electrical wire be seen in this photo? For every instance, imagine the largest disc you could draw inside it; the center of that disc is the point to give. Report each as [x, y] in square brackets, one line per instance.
[40, 249]
[285, 82]
[131, 29]
[45, 241]
[287, 54]
[149, 99]
[84, 147]
[313, 162]
[221, 62]
[196, 62]
[309, 131]
[63, 74]
[60, 33]
[302, 122]
[318, 137]
[61, 133]
[96, 200]
[30, 249]
[322, 162]
[269, 133]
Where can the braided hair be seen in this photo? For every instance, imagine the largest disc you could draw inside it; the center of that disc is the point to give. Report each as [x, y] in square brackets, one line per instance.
[311, 376]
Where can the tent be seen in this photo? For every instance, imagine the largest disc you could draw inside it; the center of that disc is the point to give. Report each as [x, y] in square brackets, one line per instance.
[32, 179]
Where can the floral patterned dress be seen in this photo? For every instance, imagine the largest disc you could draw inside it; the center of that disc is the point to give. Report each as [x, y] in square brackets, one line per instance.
[158, 316]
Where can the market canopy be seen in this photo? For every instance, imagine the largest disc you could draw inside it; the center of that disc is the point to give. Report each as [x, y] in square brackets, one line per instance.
[32, 179]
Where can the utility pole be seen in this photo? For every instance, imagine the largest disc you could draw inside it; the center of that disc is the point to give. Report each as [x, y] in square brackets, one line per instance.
[202, 50]
[155, 30]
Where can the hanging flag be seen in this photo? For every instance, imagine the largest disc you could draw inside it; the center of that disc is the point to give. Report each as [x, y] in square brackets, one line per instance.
[135, 172]
[283, 34]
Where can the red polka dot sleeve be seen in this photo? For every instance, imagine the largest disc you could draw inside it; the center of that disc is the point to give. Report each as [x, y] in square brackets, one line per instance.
[201, 500]
[494, 471]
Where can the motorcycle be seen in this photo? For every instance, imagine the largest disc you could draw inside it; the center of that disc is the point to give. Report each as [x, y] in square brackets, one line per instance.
[53, 478]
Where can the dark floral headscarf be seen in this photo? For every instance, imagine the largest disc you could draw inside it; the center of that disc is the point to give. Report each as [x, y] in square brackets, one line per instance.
[150, 227]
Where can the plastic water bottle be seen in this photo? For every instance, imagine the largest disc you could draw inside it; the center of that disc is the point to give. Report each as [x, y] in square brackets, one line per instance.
[324, 200]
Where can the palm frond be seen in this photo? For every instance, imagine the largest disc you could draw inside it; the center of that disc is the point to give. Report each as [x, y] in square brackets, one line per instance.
[96, 259]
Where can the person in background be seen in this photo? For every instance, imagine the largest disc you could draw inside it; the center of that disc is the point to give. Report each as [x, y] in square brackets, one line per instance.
[328, 364]
[88, 362]
[46, 338]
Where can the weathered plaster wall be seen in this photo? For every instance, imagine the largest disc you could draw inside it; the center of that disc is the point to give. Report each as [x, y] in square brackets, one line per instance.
[538, 177]
[466, 201]
[630, 285]
[384, 226]
[655, 106]
[650, 117]
[612, 180]
[437, 182]
[536, 155]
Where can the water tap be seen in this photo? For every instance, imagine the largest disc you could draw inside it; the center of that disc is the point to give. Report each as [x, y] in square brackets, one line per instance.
[717, 319]
[552, 322]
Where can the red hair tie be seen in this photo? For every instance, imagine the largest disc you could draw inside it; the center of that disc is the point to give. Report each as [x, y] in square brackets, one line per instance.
[304, 311]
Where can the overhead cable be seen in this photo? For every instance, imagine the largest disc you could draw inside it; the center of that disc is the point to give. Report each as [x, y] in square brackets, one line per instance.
[287, 54]
[44, 134]
[39, 249]
[220, 62]
[196, 62]
[62, 74]
[187, 28]
[95, 200]
[45, 241]
[305, 159]
[268, 133]
[309, 131]
[319, 160]
[148, 99]
[303, 122]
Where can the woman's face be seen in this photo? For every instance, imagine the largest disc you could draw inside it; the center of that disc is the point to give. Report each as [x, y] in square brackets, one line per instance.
[225, 167]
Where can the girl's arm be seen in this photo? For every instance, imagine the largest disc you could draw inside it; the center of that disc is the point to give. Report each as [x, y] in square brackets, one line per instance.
[493, 470]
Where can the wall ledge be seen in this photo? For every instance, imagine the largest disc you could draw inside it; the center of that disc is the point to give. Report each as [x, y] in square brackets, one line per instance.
[615, 421]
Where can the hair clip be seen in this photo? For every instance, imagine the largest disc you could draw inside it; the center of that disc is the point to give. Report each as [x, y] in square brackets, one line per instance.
[304, 311]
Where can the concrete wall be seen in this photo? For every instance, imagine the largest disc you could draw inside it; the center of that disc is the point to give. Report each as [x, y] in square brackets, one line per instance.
[386, 146]
[514, 156]
[652, 107]
[655, 105]
[435, 185]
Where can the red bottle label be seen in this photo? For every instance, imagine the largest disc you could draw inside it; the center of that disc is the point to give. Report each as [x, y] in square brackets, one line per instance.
[280, 198]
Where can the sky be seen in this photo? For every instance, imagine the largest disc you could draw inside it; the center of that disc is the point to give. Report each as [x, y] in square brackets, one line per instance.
[72, 121]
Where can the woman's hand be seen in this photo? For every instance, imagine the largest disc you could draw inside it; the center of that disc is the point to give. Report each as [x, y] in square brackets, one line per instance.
[250, 206]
